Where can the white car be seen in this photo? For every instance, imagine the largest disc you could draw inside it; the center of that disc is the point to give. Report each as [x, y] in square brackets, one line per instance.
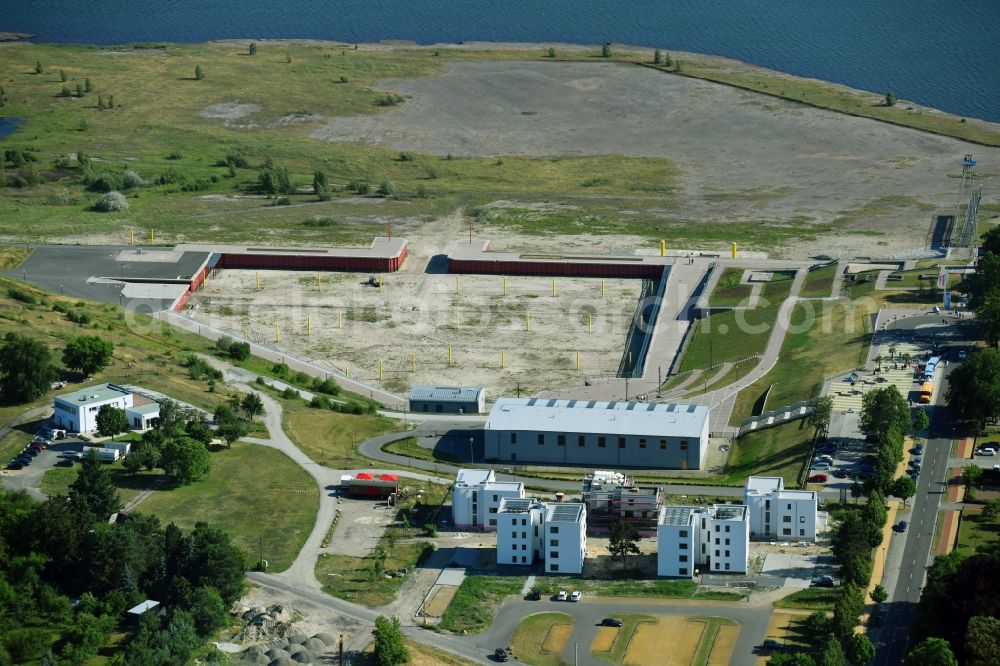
[575, 596]
[561, 596]
[986, 452]
[962, 354]
[822, 465]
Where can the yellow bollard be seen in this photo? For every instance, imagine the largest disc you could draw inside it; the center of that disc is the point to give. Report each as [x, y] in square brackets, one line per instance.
[458, 285]
[413, 361]
[277, 333]
[630, 360]
[590, 323]
[503, 358]
[308, 326]
[602, 288]
[578, 360]
[449, 356]
[340, 319]
[317, 281]
[527, 322]
[505, 286]
[734, 250]
[553, 287]
[380, 287]
[131, 235]
[151, 235]
[663, 248]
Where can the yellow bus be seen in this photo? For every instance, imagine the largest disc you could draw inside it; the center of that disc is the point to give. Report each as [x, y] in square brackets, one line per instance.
[925, 392]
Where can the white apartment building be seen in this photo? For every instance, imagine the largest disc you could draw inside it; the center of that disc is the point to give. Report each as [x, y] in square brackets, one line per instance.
[476, 498]
[528, 529]
[691, 539]
[777, 513]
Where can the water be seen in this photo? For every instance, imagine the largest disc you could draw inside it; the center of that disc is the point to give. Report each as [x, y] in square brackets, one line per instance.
[936, 53]
[8, 124]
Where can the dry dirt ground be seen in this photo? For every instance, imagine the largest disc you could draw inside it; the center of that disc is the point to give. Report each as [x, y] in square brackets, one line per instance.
[743, 156]
[415, 318]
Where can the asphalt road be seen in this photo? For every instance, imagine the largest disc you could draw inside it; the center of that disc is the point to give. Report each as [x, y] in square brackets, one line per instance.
[917, 550]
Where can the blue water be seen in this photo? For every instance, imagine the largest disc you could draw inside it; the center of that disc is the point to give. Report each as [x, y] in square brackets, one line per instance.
[943, 54]
[8, 124]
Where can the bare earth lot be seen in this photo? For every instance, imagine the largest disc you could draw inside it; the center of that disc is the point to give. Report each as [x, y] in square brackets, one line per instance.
[743, 156]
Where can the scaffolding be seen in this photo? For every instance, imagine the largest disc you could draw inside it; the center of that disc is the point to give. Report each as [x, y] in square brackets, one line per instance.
[611, 497]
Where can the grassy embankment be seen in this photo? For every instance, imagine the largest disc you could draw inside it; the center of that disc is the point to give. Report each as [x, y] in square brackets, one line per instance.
[813, 598]
[728, 290]
[331, 438]
[668, 589]
[539, 639]
[472, 608]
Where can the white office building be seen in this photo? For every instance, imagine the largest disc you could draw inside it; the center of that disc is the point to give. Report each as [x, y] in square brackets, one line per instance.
[777, 513]
[528, 529]
[77, 411]
[712, 539]
[476, 498]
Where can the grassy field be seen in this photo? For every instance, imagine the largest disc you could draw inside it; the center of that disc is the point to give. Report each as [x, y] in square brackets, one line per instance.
[779, 451]
[331, 438]
[410, 448]
[824, 338]
[728, 290]
[533, 641]
[819, 283]
[812, 598]
[735, 334]
[348, 577]
[975, 531]
[672, 589]
[472, 608]
[256, 494]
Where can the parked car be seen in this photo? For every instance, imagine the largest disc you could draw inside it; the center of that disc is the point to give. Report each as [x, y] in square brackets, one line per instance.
[824, 581]
[534, 595]
[42, 440]
[575, 596]
[986, 452]
[918, 450]
[771, 644]
[962, 354]
[824, 466]
[817, 478]
[30, 451]
[900, 526]
[65, 462]
[500, 654]
[562, 596]
[840, 473]
[15, 464]
[824, 457]
[611, 622]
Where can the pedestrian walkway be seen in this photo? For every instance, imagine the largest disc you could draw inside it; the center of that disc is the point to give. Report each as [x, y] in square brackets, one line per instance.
[949, 532]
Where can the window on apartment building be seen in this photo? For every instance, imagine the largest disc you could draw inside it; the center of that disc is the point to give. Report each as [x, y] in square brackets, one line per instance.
[524, 535]
[789, 507]
[684, 445]
[536, 530]
[727, 542]
[767, 516]
[628, 514]
[541, 439]
[524, 546]
[682, 558]
[642, 442]
[513, 438]
[513, 535]
[786, 519]
[621, 442]
[718, 528]
[702, 523]
[493, 522]
[702, 549]
[663, 444]
[553, 542]
[580, 440]
[554, 554]
[493, 509]
[767, 504]
[475, 495]
[496, 498]
[682, 571]
[717, 541]
[727, 528]
[727, 553]
[727, 566]
[513, 559]
[802, 519]
[683, 533]
[786, 532]
[717, 553]
[802, 532]
[561, 440]
[683, 545]
[553, 529]
[601, 442]
[524, 521]
[524, 559]
[554, 567]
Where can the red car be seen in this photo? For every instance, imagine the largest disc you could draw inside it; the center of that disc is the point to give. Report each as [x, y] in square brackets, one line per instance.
[817, 478]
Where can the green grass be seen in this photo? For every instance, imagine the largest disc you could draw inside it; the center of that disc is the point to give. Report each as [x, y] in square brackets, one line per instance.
[734, 335]
[331, 438]
[975, 531]
[672, 589]
[819, 282]
[824, 338]
[812, 598]
[708, 636]
[528, 638]
[254, 493]
[629, 623]
[410, 448]
[779, 451]
[728, 291]
[476, 601]
[11, 257]
[346, 577]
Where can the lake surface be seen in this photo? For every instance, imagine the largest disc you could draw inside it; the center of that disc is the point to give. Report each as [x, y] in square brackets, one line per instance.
[942, 54]
[8, 124]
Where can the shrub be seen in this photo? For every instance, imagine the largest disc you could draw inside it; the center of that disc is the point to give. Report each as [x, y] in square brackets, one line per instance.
[199, 73]
[320, 222]
[290, 394]
[131, 179]
[280, 369]
[176, 155]
[343, 79]
[386, 188]
[484, 214]
[320, 402]
[21, 295]
[327, 386]
[108, 182]
[389, 99]
[282, 201]
[111, 202]
[551, 52]
[422, 192]
[361, 187]
[432, 173]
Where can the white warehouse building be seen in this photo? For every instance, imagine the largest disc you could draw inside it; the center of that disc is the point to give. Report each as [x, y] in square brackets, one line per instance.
[688, 539]
[777, 513]
[476, 498]
[591, 432]
[528, 529]
[77, 411]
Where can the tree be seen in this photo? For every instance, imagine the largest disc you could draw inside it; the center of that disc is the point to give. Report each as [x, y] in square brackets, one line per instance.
[606, 50]
[100, 103]
[905, 356]
[890, 98]
[26, 370]
[657, 57]
[79, 90]
[986, 278]
[111, 421]
[991, 510]
[882, 409]
[389, 649]
[931, 652]
[988, 315]
[88, 354]
[920, 419]
[991, 241]
[820, 418]
[62, 76]
[232, 430]
[93, 495]
[879, 594]
[974, 387]
[38, 67]
[207, 556]
[859, 649]
[185, 460]
[386, 188]
[239, 351]
[847, 610]
[624, 540]
[208, 611]
[791, 659]
[904, 488]
[87, 85]
[197, 429]
[972, 476]
[111, 101]
[320, 186]
[199, 73]
[833, 653]
[982, 641]
[252, 405]
[253, 48]
[171, 421]
[551, 52]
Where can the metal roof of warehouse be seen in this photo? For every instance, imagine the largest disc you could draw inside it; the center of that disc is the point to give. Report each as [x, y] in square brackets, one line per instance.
[592, 416]
[446, 393]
